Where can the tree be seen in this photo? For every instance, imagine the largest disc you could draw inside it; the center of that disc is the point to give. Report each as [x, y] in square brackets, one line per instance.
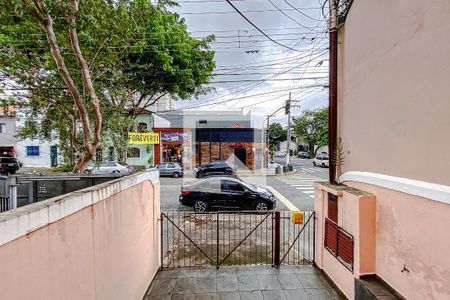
[312, 127]
[82, 61]
[276, 134]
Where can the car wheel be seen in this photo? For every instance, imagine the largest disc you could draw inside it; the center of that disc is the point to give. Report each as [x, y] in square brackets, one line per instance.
[200, 206]
[314, 163]
[199, 175]
[176, 175]
[261, 206]
[12, 172]
[115, 172]
[228, 172]
[323, 165]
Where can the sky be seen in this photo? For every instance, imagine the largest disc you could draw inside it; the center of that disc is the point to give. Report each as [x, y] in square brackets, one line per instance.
[253, 72]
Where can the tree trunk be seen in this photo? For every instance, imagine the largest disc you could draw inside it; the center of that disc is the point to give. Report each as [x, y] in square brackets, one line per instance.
[42, 16]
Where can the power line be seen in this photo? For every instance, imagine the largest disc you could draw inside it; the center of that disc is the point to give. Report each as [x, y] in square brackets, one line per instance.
[299, 11]
[288, 16]
[256, 27]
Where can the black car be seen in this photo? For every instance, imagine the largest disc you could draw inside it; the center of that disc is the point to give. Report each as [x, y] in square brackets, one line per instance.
[218, 167]
[8, 165]
[226, 193]
[303, 154]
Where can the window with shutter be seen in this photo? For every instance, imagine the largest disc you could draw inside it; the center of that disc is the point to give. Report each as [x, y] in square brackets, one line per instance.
[333, 207]
[339, 243]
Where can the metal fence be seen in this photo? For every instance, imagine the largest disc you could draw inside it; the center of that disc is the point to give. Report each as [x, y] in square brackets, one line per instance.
[4, 204]
[235, 238]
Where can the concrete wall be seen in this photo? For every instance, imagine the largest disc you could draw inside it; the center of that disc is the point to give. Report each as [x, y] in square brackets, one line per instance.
[393, 88]
[412, 231]
[356, 215]
[98, 243]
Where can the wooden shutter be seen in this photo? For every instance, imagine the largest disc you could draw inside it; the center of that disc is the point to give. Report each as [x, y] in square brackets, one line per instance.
[345, 247]
[331, 236]
[333, 207]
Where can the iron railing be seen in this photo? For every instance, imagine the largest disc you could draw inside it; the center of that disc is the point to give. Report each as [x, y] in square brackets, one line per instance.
[5, 204]
[191, 239]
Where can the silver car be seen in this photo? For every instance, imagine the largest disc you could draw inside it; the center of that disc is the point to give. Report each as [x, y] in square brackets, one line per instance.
[111, 167]
[170, 169]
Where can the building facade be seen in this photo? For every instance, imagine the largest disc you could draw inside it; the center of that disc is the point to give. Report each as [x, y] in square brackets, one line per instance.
[141, 155]
[392, 213]
[198, 137]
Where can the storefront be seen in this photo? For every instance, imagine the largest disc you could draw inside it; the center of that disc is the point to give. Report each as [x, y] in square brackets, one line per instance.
[174, 146]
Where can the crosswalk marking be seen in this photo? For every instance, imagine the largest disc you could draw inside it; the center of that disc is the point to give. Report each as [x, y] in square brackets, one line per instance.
[303, 182]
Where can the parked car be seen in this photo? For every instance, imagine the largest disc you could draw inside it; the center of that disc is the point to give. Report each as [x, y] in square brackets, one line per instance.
[218, 167]
[280, 154]
[226, 193]
[8, 165]
[170, 169]
[110, 167]
[321, 160]
[303, 154]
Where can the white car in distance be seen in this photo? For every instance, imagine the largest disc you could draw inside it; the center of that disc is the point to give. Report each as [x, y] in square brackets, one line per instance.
[110, 167]
[321, 160]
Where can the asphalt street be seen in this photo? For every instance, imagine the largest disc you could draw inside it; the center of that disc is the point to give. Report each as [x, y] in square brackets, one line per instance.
[295, 191]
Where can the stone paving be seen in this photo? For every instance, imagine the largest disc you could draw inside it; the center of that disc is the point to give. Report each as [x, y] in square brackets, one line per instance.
[244, 282]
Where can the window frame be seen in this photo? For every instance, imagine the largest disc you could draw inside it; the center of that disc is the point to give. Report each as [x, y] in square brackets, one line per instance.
[33, 151]
[130, 151]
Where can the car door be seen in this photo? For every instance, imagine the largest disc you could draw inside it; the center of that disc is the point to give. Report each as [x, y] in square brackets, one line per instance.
[236, 197]
[162, 169]
[101, 169]
[111, 166]
[217, 194]
[170, 169]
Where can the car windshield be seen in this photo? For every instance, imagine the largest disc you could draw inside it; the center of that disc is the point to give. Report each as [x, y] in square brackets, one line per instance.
[249, 186]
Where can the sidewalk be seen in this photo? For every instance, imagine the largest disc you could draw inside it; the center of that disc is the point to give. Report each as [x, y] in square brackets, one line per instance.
[243, 282]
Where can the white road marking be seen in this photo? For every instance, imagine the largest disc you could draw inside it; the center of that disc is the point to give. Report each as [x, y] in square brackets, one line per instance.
[283, 199]
[307, 188]
[311, 196]
[308, 192]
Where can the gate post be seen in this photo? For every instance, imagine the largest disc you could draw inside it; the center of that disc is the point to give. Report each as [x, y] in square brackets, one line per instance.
[162, 241]
[276, 239]
[217, 241]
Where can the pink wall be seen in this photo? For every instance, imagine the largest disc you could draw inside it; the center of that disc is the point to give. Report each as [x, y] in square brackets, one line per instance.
[412, 231]
[356, 215]
[106, 249]
[393, 88]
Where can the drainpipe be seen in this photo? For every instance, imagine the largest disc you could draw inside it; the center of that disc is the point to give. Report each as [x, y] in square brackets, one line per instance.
[332, 101]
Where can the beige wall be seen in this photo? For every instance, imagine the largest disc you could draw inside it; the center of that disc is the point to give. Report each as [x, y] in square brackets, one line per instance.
[414, 232]
[102, 243]
[394, 74]
[356, 215]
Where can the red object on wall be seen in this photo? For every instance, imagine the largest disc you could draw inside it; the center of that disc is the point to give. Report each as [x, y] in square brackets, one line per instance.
[333, 207]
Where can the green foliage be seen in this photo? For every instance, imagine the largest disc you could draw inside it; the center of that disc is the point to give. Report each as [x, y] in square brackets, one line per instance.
[64, 168]
[136, 52]
[276, 134]
[312, 127]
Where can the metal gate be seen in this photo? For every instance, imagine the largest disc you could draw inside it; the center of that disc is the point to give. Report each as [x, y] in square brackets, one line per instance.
[190, 239]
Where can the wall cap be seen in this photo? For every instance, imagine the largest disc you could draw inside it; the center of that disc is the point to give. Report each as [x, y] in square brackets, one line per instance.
[428, 190]
[23, 220]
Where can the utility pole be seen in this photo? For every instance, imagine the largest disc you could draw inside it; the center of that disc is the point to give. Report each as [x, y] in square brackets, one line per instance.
[288, 111]
[267, 142]
[332, 100]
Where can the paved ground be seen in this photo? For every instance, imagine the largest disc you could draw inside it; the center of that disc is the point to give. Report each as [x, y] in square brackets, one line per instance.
[248, 282]
[297, 188]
